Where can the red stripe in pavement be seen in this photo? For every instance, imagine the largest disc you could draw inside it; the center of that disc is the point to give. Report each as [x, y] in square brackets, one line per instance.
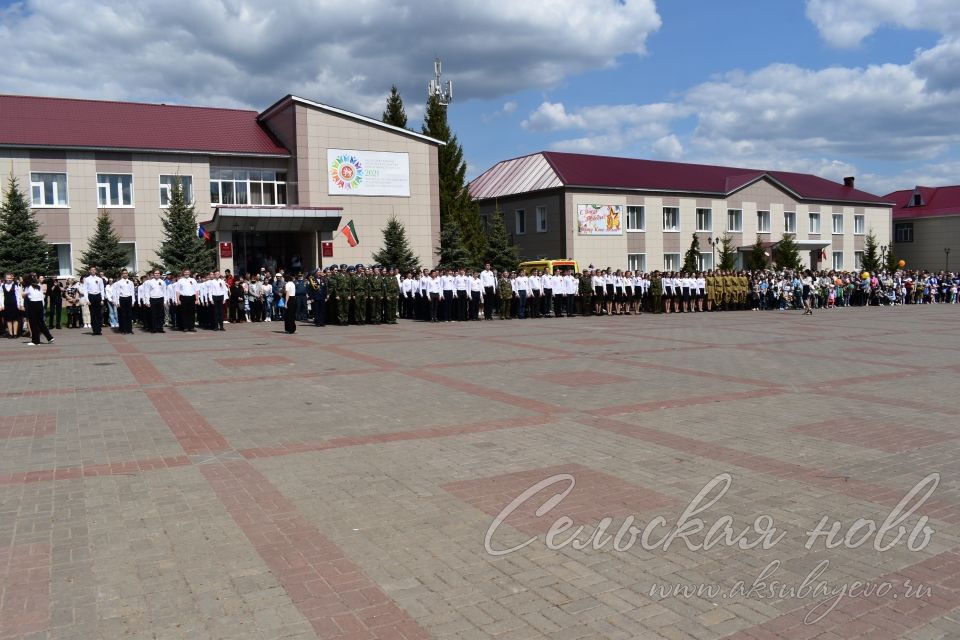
[902, 403]
[34, 425]
[382, 438]
[191, 430]
[24, 589]
[892, 438]
[91, 471]
[332, 592]
[942, 510]
[67, 391]
[688, 372]
[143, 370]
[484, 392]
[119, 343]
[874, 617]
[253, 361]
[679, 403]
[356, 355]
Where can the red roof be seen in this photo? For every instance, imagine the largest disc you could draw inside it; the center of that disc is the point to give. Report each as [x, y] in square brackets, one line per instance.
[576, 169]
[935, 202]
[59, 123]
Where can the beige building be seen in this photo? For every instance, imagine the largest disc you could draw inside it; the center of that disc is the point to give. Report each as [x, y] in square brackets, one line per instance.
[642, 214]
[270, 187]
[926, 227]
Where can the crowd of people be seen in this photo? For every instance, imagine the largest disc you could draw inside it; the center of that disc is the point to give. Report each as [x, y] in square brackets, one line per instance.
[31, 305]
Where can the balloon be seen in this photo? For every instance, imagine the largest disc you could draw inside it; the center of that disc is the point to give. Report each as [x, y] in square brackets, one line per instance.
[902, 264]
[865, 275]
[836, 281]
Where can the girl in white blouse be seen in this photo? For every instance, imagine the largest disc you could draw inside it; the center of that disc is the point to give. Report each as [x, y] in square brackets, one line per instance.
[34, 302]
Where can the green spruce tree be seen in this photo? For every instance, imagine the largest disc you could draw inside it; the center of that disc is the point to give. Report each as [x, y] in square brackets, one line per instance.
[871, 253]
[728, 255]
[103, 250]
[893, 262]
[395, 113]
[788, 255]
[758, 256]
[396, 252]
[181, 248]
[691, 259]
[501, 253]
[455, 201]
[23, 249]
[451, 253]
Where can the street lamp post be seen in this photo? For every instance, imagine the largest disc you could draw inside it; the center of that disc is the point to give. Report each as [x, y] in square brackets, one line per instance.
[946, 266]
[713, 249]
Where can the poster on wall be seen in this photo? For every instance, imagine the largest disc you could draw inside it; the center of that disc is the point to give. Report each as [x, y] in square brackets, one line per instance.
[367, 173]
[599, 219]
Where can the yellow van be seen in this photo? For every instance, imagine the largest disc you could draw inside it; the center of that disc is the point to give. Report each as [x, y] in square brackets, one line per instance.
[549, 266]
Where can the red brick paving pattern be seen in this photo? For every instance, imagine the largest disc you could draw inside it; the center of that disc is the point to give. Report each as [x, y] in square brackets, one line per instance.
[24, 589]
[254, 361]
[34, 425]
[892, 438]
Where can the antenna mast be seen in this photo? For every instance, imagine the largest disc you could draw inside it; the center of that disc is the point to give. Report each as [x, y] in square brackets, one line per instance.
[443, 92]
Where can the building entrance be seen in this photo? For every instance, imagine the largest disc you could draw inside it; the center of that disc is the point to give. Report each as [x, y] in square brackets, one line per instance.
[274, 250]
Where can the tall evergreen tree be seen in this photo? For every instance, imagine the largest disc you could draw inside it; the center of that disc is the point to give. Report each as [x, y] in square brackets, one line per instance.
[691, 259]
[893, 262]
[788, 255]
[728, 255]
[501, 253]
[455, 202]
[396, 252]
[758, 256]
[451, 253]
[104, 250]
[23, 249]
[395, 114]
[871, 253]
[181, 248]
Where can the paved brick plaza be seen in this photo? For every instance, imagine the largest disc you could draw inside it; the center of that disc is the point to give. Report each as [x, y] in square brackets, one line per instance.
[341, 482]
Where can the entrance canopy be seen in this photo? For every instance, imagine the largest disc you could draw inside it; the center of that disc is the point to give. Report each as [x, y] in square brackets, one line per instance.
[282, 219]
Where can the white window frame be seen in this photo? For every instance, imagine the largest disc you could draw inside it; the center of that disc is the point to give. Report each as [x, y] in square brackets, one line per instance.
[709, 216]
[858, 260]
[106, 185]
[763, 222]
[34, 184]
[541, 217]
[641, 258]
[673, 228]
[70, 272]
[216, 178]
[165, 188]
[520, 220]
[705, 261]
[833, 222]
[791, 217]
[859, 224]
[838, 260]
[133, 266]
[677, 262]
[813, 215]
[643, 218]
[739, 219]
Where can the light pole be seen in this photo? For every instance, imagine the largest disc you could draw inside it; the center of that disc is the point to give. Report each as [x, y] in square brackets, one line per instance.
[946, 266]
[713, 248]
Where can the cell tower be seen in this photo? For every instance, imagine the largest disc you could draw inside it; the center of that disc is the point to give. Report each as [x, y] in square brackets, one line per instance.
[443, 92]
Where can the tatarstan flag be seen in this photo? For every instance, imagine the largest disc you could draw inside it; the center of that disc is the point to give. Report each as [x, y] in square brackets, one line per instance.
[350, 232]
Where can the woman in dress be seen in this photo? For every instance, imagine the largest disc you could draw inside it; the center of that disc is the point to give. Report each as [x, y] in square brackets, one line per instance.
[11, 305]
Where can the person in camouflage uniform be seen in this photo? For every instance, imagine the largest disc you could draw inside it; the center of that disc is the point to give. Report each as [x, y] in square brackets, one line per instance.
[377, 293]
[342, 294]
[656, 292]
[392, 292]
[505, 289]
[586, 293]
[743, 290]
[361, 294]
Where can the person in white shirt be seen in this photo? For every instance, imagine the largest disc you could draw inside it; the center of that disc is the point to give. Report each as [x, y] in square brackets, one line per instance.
[521, 287]
[123, 292]
[433, 290]
[218, 294]
[610, 289]
[571, 289]
[111, 306]
[94, 288]
[33, 298]
[488, 280]
[462, 284]
[596, 281]
[447, 285]
[186, 300]
[701, 284]
[535, 280]
[406, 296]
[547, 281]
[290, 302]
[476, 295]
[155, 294]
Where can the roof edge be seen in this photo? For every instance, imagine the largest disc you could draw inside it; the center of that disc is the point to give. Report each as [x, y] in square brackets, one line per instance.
[266, 113]
[193, 152]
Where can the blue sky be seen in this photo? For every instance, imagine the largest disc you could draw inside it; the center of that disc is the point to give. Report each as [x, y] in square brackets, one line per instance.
[833, 87]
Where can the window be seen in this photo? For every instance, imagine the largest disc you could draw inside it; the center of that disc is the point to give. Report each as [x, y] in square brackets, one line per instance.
[242, 186]
[705, 262]
[637, 262]
[635, 219]
[838, 223]
[763, 222]
[521, 221]
[671, 262]
[541, 219]
[48, 189]
[114, 190]
[838, 260]
[734, 220]
[671, 219]
[858, 225]
[814, 223]
[131, 249]
[789, 222]
[166, 186]
[903, 232]
[858, 259]
[917, 200]
[704, 220]
[64, 261]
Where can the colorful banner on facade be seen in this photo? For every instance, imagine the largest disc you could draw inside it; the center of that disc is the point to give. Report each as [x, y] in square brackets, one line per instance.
[599, 219]
[367, 173]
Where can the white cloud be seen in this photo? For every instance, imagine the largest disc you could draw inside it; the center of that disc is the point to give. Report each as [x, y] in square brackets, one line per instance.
[668, 148]
[552, 116]
[252, 52]
[845, 23]
[509, 107]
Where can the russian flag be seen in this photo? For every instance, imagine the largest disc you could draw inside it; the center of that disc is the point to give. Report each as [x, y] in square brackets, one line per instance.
[202, 233]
